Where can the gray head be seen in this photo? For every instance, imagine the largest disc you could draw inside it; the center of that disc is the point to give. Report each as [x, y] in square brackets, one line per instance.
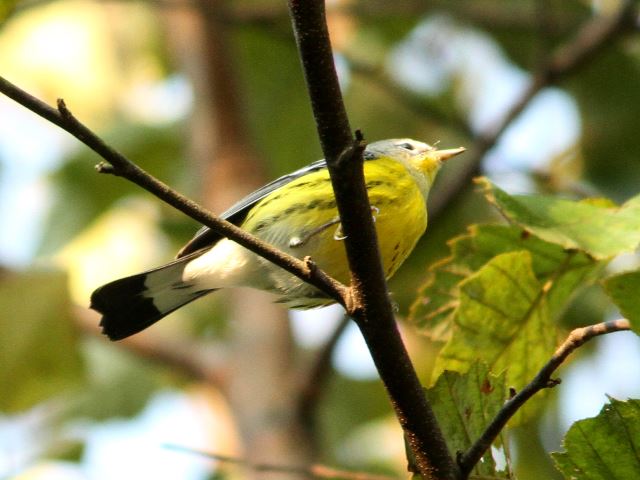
[420, 157]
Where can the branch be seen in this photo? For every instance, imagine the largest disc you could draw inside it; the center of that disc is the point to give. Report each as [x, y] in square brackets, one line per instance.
[369, 304]
[312, 471]
[121, 166]
[392, 360]
[590, 40]
[543, 379]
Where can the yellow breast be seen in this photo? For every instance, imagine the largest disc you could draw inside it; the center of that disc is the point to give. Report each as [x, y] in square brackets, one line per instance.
[301, 218]
[401, 216]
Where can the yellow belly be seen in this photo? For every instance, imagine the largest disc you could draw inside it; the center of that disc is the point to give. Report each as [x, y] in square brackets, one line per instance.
[301, 219]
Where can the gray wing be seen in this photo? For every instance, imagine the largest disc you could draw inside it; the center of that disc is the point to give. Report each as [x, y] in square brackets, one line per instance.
[205, 237]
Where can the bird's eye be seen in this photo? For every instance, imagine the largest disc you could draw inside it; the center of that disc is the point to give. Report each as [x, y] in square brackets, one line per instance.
[408, 146]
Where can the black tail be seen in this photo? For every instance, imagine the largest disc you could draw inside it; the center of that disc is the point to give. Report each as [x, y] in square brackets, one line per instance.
[134, 303]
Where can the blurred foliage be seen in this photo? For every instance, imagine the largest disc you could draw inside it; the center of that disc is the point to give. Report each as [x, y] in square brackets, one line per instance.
[278, 109]
[589, 306]
[623, 289]
[534, 461]
[612, 160]
[503, 294]
[39, 345]
[339, 419]
[544, 26]
[7, 7]
[81, 194]
[119, 386]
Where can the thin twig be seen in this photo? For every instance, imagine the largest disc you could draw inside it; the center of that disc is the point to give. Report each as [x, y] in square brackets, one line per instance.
[543, 379]
[311, 471]
[119, 165]
[370, 305]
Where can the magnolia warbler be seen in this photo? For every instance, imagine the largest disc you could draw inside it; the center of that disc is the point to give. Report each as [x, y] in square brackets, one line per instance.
[295, 213]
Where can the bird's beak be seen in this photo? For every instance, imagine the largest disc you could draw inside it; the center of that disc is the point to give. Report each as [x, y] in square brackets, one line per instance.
[444, 155]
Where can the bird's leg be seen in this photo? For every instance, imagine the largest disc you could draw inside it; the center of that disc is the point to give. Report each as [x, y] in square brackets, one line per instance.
[338, 235]
[297, 242]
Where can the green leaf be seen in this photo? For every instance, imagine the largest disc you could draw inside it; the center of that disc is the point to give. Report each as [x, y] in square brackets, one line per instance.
[503, 319]
[38, 342]
[591, 227]
[606, 447]
[434, 309]
[464, 405]
[623, 290]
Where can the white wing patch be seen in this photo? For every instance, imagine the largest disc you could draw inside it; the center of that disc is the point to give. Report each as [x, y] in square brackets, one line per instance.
[225, 265]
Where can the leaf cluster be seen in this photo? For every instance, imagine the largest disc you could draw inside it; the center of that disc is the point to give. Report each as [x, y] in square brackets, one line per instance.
[495, 304]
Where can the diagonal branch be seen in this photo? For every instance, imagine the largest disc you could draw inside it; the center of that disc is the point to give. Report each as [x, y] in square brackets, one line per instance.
[119, 165]
[543, 379]
[383, 338]
[590, 40]
[369, 304]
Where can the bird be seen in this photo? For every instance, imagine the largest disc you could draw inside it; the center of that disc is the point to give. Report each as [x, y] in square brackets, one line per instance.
[296, 213]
